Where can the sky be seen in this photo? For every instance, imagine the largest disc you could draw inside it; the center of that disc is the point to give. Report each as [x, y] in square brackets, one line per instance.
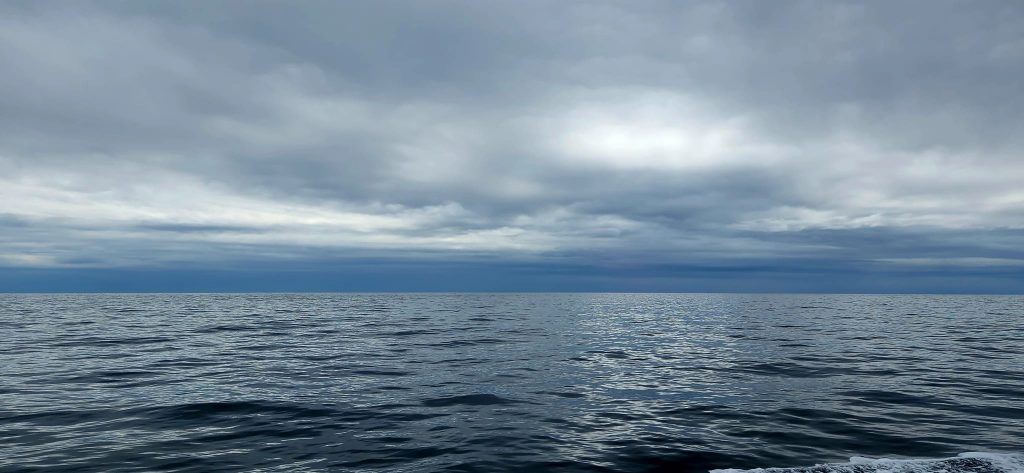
[679, 146]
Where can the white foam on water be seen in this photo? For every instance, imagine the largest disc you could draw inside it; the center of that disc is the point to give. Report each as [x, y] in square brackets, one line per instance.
[970, 462]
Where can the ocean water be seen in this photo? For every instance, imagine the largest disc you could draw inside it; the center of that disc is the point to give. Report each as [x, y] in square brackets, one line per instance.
[511, 382]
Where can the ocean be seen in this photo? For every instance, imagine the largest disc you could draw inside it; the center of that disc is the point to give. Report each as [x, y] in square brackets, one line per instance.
[511, 382]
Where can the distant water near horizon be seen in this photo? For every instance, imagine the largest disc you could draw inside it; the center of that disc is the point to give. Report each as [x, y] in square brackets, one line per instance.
[511, 382]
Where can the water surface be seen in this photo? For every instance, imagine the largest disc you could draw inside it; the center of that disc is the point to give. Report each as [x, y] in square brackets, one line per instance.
[509, 382]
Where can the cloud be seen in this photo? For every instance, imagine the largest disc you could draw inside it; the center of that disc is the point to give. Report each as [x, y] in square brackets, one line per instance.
[789, 135]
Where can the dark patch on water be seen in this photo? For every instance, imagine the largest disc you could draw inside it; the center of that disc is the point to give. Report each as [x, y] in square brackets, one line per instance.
[468, 400]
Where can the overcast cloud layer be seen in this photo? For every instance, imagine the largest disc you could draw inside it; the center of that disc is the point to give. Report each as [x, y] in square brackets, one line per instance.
[549, 145]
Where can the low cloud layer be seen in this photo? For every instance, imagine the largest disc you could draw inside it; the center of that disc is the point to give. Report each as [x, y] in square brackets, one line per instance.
[632, 139]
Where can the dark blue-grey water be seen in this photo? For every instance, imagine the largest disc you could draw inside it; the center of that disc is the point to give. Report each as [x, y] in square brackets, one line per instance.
[542, 382]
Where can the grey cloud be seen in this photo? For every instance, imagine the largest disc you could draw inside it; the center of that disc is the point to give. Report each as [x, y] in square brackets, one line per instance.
[708, 133]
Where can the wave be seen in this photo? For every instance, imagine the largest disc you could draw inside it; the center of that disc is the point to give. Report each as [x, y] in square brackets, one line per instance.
[970, 462]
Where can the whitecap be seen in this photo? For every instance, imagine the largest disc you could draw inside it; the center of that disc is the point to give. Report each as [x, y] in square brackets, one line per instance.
[970, 462]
